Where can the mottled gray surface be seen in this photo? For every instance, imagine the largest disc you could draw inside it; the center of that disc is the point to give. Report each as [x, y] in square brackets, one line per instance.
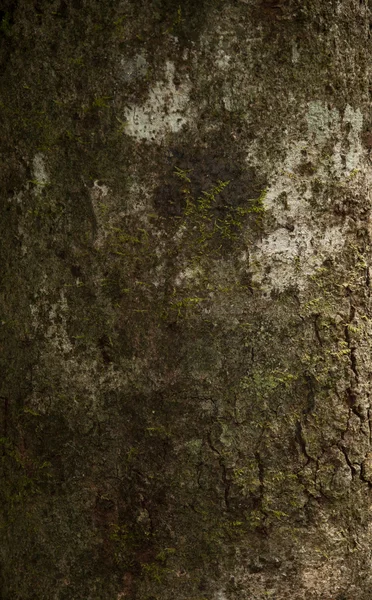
[185, 300]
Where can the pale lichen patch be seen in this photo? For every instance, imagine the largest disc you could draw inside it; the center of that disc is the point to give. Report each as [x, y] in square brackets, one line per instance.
[322, 578]
[188, 275]
[39, 171]
[298, 246]
[165, 111]
[302, 238]
[326, 125]
[222, 59]
[220, 595]
[295, 53]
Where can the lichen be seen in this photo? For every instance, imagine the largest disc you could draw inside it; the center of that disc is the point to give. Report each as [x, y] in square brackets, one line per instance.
[184, 300]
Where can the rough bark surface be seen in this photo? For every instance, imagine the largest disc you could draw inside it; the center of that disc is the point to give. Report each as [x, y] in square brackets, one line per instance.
[185, 300]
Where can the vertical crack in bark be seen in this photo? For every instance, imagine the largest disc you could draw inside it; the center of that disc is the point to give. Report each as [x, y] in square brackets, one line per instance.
[348, 461]
[368, 281]
[199, 467]
[363, 476]
[351, 347]
[343, 449]
[260, 499]
[370, 425]
[353, 403]
[225, 480]
[352, 394]
[226, 484]
[309, 378]
[316, 329]
[261, 478]
[302, 442]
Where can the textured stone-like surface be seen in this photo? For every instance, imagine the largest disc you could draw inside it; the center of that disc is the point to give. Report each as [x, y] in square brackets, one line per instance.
[185, 300]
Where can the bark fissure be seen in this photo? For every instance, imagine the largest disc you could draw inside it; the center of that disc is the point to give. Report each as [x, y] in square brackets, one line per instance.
[350, 345]
[185, 322]
[347, 459]
[224, 475]
[302, 442]
[316, 329]
[369, 413]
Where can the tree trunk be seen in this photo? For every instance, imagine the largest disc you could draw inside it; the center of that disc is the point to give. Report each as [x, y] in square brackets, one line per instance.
[185, 300]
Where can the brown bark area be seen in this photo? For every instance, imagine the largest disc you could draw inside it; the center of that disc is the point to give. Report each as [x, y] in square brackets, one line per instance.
[185, 300]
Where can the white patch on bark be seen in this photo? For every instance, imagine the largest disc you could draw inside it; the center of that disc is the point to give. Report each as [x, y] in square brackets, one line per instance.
[295, 53]
[220, 595]
[326, 125]
[222, 59]
[187, 276]
[53, 319]
[39, 170]
[300, 243]
[303, 239]
[98, 193]
[321, 579]
[165, 110]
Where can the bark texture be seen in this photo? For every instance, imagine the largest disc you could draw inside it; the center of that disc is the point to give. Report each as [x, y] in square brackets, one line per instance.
[185, 300]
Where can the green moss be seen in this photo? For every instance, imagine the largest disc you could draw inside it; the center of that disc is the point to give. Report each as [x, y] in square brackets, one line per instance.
[201, 215]
[154, 571]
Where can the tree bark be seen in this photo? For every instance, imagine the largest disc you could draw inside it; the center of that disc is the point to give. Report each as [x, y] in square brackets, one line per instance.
[185, 300]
